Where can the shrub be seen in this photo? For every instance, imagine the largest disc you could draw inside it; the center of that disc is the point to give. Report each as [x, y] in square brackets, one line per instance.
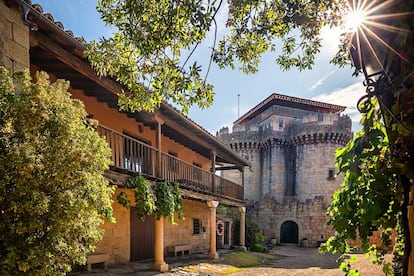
[53, 196]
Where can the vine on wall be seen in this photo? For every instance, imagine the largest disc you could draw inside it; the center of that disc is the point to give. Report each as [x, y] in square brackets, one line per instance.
[162, 198]
[371, 197]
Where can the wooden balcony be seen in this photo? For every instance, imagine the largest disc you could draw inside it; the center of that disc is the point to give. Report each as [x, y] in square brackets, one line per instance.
[137, 157]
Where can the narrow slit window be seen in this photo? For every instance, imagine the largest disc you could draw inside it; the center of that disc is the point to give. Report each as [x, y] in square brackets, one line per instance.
[331, 174]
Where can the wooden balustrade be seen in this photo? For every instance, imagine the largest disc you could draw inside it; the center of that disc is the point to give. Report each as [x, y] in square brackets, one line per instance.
[188, 175]
[228, 188]
[133, 155]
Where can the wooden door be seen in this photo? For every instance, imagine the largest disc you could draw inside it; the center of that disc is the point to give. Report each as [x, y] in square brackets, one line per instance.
[227, 233]
[289, 232]
[142, 237]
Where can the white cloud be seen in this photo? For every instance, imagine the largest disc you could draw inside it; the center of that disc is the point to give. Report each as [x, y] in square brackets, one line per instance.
[320, 81]
[330, 40]
[347, 96]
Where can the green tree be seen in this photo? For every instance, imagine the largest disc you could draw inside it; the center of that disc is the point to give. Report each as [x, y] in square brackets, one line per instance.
[254, 236]
[153, 42]
[53, 196]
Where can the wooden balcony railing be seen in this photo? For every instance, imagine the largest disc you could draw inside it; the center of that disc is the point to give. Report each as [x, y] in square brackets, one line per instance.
[135, 156]
[229, 188]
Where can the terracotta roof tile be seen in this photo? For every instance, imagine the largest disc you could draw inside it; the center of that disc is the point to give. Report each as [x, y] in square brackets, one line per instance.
[49, 16]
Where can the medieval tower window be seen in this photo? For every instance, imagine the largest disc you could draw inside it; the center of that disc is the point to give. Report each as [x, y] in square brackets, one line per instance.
[320, 117]
[281, 123]
[331, 173]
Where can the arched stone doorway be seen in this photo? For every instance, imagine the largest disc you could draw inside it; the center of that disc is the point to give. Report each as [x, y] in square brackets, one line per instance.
[289, 232]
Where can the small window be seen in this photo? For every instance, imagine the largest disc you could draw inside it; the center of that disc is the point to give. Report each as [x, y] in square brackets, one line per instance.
[320, 117]
[196, 226]
[281, 123]
[331, 174]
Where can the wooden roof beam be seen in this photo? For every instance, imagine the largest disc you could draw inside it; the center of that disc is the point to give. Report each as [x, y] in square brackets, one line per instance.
[76, 63]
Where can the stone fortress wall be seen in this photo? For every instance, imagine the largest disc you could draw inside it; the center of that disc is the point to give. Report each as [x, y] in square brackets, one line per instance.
[292, 178]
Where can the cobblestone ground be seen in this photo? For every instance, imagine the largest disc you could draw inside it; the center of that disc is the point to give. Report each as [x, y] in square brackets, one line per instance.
[288, 260]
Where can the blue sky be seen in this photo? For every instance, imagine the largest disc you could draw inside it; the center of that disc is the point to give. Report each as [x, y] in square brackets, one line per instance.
[326, 82]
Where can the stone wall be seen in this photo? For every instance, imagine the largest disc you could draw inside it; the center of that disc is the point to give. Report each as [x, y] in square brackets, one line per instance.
[312, 177]
[116, 239]
[14, 38]
[310, 217]
[182, 231]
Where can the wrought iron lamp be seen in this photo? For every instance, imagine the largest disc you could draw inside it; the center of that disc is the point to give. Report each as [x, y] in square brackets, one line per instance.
[373, 60]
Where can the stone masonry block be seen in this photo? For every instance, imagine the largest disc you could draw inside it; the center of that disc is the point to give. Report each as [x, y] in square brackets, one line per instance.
[6, 62]
[121, 231]
[21, 34]
[17, 53]
[5, 29]
[12, 14]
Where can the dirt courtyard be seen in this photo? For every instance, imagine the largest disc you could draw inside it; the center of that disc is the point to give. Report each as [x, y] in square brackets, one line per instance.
[289, 260]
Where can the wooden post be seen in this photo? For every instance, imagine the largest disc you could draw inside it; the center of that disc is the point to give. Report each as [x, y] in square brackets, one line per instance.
[212, 205]
[159, 123]
[411, 225]
[213, 170]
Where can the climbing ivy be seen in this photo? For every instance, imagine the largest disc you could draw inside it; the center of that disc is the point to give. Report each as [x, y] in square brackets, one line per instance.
[168, 200]
[162, 198]
[371, 195]
[145, 199]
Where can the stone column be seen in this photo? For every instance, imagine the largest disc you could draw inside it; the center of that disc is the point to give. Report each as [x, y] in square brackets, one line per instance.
[242, 211]
[212, 205]
[159, 264]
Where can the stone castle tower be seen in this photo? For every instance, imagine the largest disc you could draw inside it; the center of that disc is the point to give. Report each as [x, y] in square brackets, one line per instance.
[291, 144]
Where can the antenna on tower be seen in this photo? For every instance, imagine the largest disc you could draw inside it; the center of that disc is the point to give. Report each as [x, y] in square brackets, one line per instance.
[238, 106]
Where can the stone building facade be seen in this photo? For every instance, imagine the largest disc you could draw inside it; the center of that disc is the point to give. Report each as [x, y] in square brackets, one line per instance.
[291, 144]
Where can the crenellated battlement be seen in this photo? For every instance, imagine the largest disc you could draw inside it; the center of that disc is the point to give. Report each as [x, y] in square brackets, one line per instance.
[328, 128]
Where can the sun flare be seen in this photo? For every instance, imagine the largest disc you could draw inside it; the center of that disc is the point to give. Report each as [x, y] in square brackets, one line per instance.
[355, 19]
[374, 25]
